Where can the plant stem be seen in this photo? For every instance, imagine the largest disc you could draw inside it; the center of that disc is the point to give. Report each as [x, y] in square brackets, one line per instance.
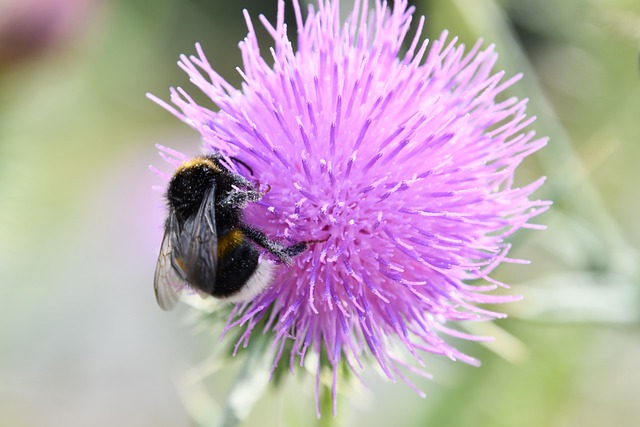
[249, 386]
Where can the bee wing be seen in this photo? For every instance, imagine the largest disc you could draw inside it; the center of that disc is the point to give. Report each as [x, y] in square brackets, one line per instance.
[198, 246]
[168, 280]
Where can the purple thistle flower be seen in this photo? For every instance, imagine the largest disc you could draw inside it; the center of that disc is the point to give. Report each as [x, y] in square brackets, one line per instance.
[401, 164]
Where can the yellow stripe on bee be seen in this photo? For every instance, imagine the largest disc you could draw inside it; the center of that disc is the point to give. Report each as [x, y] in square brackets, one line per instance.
[180, 262]
[198, 161]
[229, 242]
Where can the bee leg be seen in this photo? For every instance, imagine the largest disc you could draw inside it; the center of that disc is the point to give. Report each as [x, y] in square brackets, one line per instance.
[297, 248]
[241, 198]
[241, 182]
[283, 253]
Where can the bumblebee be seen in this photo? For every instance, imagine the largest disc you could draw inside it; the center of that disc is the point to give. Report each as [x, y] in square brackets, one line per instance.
[206, 245]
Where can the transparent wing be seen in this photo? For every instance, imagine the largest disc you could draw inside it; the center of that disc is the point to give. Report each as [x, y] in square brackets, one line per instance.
[198, 246]
[168, 280]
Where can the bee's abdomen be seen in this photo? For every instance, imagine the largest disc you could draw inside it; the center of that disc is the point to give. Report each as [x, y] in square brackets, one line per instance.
[237, 263]
[229, 242]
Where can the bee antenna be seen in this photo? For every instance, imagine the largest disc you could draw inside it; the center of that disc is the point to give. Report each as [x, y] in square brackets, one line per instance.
[237, 160]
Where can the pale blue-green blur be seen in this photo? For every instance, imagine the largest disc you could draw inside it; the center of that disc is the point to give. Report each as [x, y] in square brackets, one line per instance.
[82, 342]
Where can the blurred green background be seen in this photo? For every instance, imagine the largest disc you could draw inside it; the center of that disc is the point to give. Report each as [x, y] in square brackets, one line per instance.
[82, 342]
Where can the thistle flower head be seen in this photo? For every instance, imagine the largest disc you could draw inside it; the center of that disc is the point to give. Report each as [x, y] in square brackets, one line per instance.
[400, 164]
